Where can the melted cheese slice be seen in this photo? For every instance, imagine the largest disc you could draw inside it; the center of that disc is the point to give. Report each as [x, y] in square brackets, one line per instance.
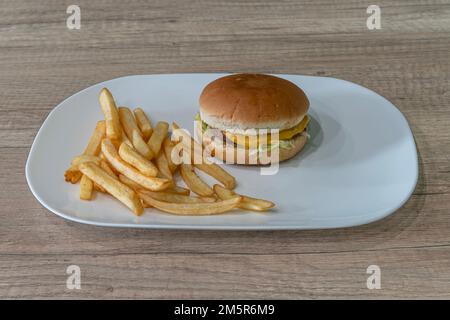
[287, 134]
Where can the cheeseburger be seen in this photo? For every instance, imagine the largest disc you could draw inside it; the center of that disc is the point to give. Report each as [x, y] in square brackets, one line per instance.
[242, 106]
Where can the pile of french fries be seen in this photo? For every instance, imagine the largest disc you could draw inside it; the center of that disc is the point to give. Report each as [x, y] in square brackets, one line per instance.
[130, 160]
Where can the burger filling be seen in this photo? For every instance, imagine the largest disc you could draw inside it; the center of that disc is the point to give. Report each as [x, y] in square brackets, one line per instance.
[286, 137]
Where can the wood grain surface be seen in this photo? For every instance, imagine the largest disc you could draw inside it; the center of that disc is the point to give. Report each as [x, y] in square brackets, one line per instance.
[407, 61]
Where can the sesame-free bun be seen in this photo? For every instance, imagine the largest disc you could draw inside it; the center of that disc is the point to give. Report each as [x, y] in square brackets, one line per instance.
[252, 101]
[220, 149]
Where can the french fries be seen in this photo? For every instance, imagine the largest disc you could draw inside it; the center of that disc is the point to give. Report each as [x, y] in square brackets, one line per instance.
[168, 146]
[218, 173]
[158, 136]
[194, 182]
[128, 154]
[143, 123]
[133, 133]
[113, 158]
[247, 203]
[114, 187]
[178, 198]
[163, 166]
[86, 188]
[118, 161]
[196, 209]
[108, 105]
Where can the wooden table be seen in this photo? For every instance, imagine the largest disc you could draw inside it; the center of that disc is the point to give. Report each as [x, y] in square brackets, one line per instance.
[407, 61]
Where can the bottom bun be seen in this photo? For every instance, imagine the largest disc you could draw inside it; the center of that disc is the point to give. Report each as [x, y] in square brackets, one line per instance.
[220, 150]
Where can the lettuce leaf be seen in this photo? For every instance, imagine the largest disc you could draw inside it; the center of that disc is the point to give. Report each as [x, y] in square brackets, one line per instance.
[204, 124]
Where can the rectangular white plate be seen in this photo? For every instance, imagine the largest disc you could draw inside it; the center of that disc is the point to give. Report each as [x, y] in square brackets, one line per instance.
[359, 166]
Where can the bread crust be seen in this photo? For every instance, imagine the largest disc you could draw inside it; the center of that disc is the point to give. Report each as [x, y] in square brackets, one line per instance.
[252, 101]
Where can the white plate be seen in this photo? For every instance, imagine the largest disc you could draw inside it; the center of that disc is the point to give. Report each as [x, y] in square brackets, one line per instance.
[359, 166]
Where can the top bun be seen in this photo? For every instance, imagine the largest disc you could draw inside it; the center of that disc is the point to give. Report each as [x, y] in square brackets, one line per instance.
[252, 101]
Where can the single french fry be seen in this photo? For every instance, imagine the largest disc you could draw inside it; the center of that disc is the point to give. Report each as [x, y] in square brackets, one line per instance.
[168, 146]
[178, 190]
[131, 156]
[158, 136]
[247, 203]
[204, 208]
[194, 182]
[108, 105]
[173, 190]
[133, 133]
[163, 166]
[84, 158]
[133, 185]
[114, 187]
[105, 166]
[143, 123]
[218, 173]
[86, 188]
[93, 147]
[124, 139]
[120, 165]
[99, 188]
[173, 197]
[72, 175]
[114, 170]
